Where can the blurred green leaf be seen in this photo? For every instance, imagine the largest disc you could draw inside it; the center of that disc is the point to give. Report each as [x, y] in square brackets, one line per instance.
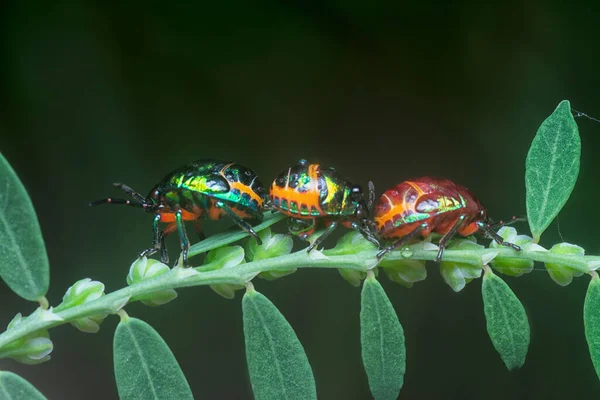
[13, 387]
[382, 339]
[232, 235]
[507, 322]
[562, 274]
[145, 368]
[509, 265]
[278, 366]
[551, 168]
[591, 319]
[23, 260]
[457, 274]
[404, 272]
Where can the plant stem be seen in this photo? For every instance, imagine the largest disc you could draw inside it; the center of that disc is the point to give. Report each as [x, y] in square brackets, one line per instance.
[243, 273]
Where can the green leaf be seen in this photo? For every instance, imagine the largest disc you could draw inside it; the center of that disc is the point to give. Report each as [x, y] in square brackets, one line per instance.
[278, 366]
[404, 272]
[23, 259]
[145, 368]
[13, 387]
[231, 235]
[551, 168]
[382, 339]
[591, 320]
[507, 322]
[457, 275]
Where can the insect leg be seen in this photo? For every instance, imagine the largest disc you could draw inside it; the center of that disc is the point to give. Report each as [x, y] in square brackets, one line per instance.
[164, 254]
[240, 222]
[366, 232]
[323, 236]
[157, 239]
[300, 227]
[446, 238]
[183, 239]
[492, 233]
[399, 242]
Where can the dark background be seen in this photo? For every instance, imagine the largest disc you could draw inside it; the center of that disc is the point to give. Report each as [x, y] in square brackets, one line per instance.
[94, 94]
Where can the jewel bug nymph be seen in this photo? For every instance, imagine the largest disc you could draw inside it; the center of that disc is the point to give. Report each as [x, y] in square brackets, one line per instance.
[425, 205]
[311, 194]
[203, 189]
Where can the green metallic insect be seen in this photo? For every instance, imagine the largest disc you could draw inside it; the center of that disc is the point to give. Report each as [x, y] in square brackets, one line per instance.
[206, 189]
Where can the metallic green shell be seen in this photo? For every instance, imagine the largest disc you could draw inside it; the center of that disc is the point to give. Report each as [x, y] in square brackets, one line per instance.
[198, 182]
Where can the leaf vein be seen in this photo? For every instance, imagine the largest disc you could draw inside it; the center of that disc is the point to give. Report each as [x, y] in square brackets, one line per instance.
[145, 367]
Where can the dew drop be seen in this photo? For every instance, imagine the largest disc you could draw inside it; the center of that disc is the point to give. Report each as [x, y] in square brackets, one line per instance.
[406, 252]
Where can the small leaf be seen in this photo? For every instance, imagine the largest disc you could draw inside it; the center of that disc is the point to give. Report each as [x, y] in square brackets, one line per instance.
[13, 387]
[232, 235]
[145, 368]
[278, 366]
[457, 275]
[352, 242]
[562, 274]
[382, 339]
[226, 290]
[404, 272]
[591, 319]
[33, 348]
[354, 277]
[509, 265]
[23, 259]
[507, 322]
[551, 168]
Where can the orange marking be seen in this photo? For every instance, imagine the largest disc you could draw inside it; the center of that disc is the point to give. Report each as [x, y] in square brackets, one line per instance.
[469, 229]
[241, 187]
[403, 206]
[420, 192]
[310, 198]
[170, 228]
[215, 213]
[170, 216]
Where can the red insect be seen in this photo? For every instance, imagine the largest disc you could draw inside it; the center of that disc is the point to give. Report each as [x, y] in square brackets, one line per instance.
[425, 205]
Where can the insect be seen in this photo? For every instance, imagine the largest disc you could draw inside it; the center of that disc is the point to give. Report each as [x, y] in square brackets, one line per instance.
[206, 189]
[425, 205]
[311, 195]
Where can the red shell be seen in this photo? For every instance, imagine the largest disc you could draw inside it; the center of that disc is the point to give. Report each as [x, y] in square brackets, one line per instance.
[439, 202]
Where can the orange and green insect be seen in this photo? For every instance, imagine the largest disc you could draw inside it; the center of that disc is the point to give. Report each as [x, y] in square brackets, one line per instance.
[312, 195]
[204, 189]
[425, 205]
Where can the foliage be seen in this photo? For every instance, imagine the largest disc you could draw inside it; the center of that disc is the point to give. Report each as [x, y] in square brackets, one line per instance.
[278, 366]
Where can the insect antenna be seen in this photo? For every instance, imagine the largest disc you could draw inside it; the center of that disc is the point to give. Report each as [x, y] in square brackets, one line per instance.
[371, 195]
[111, 200]
[500, 224]
[139, 200]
